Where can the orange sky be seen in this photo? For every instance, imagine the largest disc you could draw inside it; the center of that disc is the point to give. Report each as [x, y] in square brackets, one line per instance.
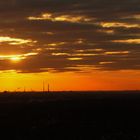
[90, 45]
[97, 80]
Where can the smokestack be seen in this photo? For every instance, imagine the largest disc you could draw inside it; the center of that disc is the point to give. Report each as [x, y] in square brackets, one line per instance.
[48, 88]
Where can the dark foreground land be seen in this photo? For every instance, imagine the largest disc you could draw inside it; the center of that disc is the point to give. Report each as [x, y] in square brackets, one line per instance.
[70, 115]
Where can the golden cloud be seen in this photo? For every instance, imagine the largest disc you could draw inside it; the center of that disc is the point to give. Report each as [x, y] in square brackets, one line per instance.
[117, 52]
[68, 18]
[118, 24]
[128, 41]
[15, 41]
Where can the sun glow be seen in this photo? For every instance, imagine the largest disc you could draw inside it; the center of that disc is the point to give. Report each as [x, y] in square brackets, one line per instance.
[15, 58]
[11, 57]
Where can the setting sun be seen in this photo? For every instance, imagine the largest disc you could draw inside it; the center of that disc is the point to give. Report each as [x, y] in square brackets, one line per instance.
[15, 58]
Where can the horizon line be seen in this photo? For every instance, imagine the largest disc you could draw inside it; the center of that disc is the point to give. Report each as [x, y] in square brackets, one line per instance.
[35, 91]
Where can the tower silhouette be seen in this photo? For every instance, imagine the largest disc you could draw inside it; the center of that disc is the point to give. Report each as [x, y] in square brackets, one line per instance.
[48, 88]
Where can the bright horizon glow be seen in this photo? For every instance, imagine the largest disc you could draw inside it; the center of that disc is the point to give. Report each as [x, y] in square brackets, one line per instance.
[97, 80]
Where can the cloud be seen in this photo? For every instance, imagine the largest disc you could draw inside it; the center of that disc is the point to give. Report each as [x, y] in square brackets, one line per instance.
[69, 35]
[15, 41]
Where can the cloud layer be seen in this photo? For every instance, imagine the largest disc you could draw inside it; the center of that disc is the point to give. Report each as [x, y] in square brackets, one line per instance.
[70, 35]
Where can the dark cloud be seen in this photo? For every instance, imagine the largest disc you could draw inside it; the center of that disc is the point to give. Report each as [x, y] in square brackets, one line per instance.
[77, 33]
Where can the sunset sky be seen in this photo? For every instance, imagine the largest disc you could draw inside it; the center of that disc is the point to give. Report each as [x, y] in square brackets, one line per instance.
[70, 44]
